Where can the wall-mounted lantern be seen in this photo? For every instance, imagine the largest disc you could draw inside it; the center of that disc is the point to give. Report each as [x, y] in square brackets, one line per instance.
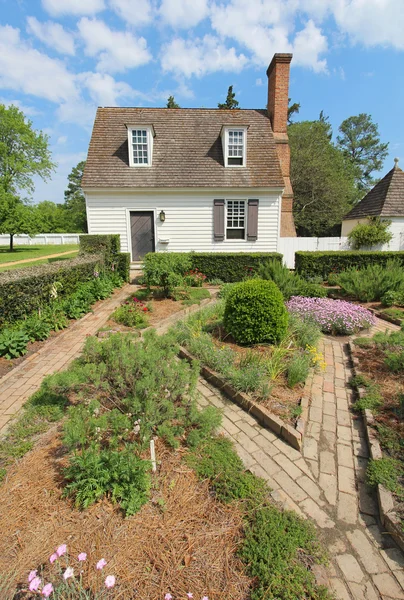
[162, 216]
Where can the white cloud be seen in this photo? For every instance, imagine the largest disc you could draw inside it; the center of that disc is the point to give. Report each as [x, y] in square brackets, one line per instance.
[27, 70]
[105, 91]
[73, 7]
[61, 141]
[52, 34]
[259, 82]
[183, 13]
[29, 111]
[200, 56]
[116, 50]
[308, 45]
[135, 13]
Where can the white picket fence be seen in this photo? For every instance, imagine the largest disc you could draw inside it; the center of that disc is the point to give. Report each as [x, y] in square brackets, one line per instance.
[41, 240]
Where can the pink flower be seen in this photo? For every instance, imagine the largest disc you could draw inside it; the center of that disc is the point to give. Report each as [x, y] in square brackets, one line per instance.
[205, 598]
[32, 575]
[47, 590]
[61, 550]
[53, 557]
[68, 573]
[190, 595]
[110, 581]
[168, 597]
[82, 556]
[35, 583]
[101, 564]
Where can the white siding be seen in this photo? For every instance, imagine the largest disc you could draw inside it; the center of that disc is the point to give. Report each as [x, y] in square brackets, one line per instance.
[189, 219]
[396, 228]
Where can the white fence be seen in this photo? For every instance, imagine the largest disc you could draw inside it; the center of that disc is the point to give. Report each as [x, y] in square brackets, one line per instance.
[288, 246]
[41, 240]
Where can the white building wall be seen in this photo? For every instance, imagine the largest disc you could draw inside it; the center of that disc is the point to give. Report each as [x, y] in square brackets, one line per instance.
[396, 228]
[189, 219]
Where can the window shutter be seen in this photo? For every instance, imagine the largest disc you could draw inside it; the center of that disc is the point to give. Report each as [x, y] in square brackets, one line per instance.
[218, 220]
[252, 220]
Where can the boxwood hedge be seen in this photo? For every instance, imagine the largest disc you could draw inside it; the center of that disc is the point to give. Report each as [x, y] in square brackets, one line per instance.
[227, 266]
[109, 246]
[314, 264]
[24, 290]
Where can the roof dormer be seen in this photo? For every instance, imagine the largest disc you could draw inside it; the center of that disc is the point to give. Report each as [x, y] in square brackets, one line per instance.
[234, 142]
[140, 145]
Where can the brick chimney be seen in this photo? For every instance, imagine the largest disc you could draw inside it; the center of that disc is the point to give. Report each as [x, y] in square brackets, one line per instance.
[278, 100]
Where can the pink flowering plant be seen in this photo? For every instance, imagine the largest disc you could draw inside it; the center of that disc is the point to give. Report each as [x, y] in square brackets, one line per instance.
[194, 278]
[67, 574]
[337, 317]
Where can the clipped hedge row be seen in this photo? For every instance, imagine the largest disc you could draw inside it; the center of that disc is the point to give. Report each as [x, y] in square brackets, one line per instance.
[229, 266]
[109, 246]
[314, 264]
[23, 291]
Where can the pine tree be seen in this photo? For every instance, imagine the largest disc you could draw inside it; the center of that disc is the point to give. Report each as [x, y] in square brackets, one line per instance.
[231, 101]
[171, 103]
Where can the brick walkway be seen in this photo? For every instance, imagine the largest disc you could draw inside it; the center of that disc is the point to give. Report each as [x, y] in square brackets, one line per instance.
[326, 484]
[20, 383]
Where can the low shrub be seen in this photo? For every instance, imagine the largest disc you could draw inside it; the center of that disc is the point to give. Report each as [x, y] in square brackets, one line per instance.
[373, 281]
[122, 265]
[387, 472]
[310, 264]
[332, 316]
[305, 332]
[131, 314]
[194, 278]
[395, 361]
[165, 270]
[298, 369]
[372, 233]
[332, 278]
[37, 328]
[364, 342]
[255, 313]
[394, 298]
[388, 340]
[13, 343]
[290, 283]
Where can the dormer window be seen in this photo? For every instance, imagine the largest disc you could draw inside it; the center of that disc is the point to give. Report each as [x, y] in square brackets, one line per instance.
[140, 140]
[234, 146]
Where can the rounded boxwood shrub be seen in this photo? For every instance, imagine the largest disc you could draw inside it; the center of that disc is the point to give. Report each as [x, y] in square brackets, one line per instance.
[255, 312]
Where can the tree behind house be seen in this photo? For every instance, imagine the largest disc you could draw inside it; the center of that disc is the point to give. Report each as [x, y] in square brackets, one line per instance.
[171, 103]
[75, 202]
[231, 101]
[17, 217]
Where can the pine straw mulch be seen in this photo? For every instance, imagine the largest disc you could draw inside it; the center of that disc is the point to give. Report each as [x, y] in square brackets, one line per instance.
[182, 541]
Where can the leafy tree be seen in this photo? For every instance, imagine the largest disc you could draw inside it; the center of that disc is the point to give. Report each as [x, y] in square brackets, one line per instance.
[75, 202]
[322, 180]
[52, 217]
[231, 101]
[373, 233]
[16, 217]
[24, 153]
[171, 103]
[293, 109]
[361, 145]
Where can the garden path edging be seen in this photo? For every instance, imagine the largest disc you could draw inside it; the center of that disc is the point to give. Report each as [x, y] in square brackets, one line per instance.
[388, 515]
[292, 436]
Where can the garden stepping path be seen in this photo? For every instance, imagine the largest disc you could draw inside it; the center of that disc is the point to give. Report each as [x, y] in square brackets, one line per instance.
[20, 383]
[326, 483]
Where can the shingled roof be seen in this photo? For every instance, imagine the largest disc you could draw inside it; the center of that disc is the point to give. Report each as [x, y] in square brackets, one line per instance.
[386, 199]
[187, 149]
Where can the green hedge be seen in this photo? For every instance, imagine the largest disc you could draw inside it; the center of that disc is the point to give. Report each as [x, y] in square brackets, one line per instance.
[229, 266]
[109, 246]
[314, 264]
[24, 290]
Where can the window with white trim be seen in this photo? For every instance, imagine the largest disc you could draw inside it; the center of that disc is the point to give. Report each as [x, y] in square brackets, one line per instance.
[234, 140]
[235, 219]
[140, 141]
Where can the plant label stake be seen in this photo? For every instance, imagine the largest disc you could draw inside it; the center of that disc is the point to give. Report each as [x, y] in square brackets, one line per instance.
[153, 455]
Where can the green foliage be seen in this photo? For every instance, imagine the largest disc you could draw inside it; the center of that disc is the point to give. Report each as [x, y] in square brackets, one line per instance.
[373, 281]
[229, 266]
[322, 179]
[13, 343]
[23, 291]
[171, 103]
[361, 145]
[364, 342]
[391, 441]
[395, 313]
[394, 298]
[303, 331]
[372, 400]
[332, 279]
[120, 475]
[387, 472]
[37, 328]
[16, 217]
[272, 549]
[217, 461]
[255, 313]
[290, 283]
[293, 109]
[309, 264]
[389, 339]
[195, 296]
[395, 361]
[75, 202]
[130, 316]
[165, 270]
[122, 260]
[107, 245]
[231, 101]
[298, 369]
[370, 234]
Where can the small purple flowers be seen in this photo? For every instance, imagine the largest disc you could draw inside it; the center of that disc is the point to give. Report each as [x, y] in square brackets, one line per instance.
[332, 316]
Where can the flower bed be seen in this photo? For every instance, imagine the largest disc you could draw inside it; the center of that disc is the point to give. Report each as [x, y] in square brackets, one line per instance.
[337, 317]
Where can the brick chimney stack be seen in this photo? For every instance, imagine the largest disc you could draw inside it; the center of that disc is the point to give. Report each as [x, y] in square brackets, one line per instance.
[278, 101]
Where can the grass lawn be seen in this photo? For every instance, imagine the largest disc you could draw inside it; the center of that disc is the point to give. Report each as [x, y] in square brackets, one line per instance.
[24, 252]
[35, 263]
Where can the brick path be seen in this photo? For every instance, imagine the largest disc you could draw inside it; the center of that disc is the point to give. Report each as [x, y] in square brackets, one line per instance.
[326, 484]
[20, 383]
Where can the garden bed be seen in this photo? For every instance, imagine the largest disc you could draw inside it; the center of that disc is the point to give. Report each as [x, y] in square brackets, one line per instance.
[380, 383]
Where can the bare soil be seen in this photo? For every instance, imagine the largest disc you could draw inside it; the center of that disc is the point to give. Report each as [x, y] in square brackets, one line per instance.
[182, 541]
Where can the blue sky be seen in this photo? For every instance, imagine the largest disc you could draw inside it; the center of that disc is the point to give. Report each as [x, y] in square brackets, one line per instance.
[60, 59]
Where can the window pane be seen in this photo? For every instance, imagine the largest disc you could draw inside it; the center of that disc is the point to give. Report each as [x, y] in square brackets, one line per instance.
[235, 234]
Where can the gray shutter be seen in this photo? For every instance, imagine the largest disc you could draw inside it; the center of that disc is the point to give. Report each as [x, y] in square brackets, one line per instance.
[218, 220]
[252, 220]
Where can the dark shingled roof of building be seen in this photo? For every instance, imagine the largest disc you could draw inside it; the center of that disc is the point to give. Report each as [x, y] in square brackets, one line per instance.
[187, 149]
[386, 199]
